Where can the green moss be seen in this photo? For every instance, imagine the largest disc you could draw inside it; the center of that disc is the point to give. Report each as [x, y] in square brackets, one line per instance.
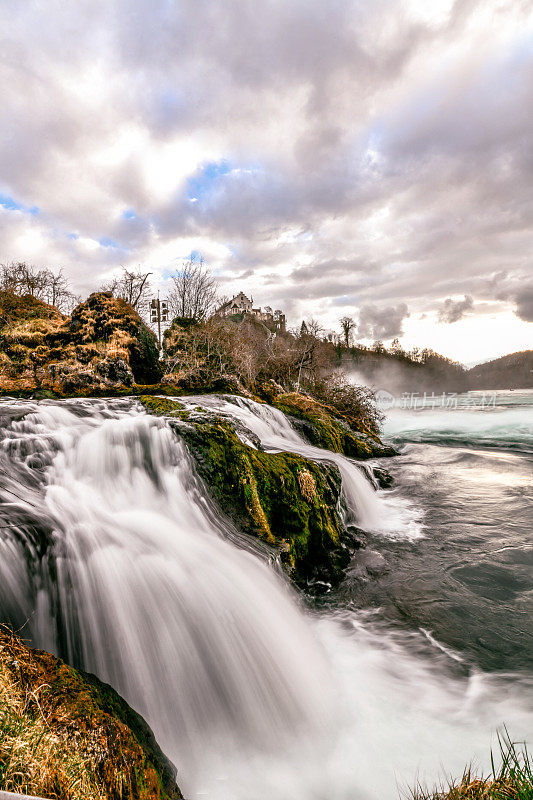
[85, 719]
[162, 406]
[282, 498]
[323, 429]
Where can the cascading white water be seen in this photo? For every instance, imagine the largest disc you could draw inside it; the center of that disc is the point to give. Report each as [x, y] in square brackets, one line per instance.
[381, 512]
[145, 590]
[113, 551]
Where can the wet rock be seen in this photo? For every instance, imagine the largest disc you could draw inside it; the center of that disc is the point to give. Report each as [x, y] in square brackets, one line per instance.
[284, 499]
[367, 564]
[115, 370]
[383, 477]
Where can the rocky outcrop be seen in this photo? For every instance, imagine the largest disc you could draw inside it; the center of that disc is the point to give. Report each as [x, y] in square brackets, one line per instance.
[104, 345]
[65, 734]
[325, 427]
[284, 499]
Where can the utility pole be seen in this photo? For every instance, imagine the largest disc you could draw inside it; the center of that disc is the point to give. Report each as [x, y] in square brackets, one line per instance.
[158, 314]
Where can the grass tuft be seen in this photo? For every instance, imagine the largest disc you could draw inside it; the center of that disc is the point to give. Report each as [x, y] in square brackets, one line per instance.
[511, 778]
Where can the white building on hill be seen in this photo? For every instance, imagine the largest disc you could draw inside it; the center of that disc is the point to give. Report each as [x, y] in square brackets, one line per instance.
[240, 304]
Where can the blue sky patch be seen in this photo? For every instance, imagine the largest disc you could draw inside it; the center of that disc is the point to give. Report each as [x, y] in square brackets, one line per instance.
[105, 241]
[11, 205]
[201, 183]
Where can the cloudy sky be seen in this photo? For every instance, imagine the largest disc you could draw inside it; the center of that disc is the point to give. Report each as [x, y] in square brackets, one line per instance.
[371, 158]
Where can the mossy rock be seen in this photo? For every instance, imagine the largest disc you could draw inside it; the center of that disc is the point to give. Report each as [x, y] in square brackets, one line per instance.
[282, 498]
[325, 429]
[162, 406]
[112, 322]
[103, 347]
[87, 725]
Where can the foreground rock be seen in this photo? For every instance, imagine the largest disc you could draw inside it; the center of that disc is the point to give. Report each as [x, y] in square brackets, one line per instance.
[65, 734]
[284, 499]
[103, 346]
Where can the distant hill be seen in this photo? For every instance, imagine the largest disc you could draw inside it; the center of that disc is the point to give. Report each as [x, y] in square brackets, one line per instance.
[426, 371]
[514, 371]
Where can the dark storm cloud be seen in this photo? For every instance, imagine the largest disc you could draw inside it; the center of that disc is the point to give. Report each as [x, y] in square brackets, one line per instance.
[524, 304]
[454, 310]
[367, 154]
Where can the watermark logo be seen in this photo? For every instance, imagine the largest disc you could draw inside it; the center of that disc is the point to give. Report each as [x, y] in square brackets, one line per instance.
[385, 400]
[417, 401]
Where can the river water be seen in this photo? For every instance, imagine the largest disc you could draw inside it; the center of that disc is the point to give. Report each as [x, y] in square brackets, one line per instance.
[470, 578]
[113, 557]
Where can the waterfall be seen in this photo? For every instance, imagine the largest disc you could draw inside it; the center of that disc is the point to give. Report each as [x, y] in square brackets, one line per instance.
[371, 510]
[113, 556]
[142, 586]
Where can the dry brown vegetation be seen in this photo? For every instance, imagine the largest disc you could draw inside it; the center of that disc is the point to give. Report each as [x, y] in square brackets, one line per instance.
[243, 354]
[67, 736]
[511, 779]
[103, 343]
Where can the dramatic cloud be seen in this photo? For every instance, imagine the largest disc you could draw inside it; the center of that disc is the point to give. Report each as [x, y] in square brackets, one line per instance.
[454, 310]
[325, 157]
[524, 304]
[381, 323]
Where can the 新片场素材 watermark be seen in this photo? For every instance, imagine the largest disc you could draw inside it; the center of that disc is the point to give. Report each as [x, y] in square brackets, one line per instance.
[423, 400]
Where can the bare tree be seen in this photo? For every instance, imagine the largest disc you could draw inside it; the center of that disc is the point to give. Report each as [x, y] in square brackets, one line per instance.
[193, 293]
[133, 287]
[347, 325]
[21, 278]
[57, 291]
[314, 328]
[44, 284]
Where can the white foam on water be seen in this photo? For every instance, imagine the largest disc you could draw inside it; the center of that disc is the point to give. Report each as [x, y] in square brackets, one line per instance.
[252, 697]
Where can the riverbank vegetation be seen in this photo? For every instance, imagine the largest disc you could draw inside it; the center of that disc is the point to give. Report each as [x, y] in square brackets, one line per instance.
[65, 735]
[102, 345]
[511, 779]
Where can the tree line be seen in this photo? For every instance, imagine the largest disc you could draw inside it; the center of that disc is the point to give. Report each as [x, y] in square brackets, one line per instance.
[193, 289]
[193, 295]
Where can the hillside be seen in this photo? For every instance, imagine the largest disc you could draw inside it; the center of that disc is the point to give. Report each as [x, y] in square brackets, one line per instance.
[399, 372]
[514, 371]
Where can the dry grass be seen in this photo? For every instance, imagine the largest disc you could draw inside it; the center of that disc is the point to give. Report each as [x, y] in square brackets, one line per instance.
[35, 758]
[66, 736]
[307, 485]
[40, 348]
[511, 779]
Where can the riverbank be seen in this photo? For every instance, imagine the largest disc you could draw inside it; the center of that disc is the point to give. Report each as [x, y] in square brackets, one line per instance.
[64, 734]
[511, 778]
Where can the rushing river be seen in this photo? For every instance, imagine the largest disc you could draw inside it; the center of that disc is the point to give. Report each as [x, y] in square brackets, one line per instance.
[113, 557]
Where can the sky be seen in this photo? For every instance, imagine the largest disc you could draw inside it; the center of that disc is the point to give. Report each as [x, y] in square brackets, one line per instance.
[364, 158]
